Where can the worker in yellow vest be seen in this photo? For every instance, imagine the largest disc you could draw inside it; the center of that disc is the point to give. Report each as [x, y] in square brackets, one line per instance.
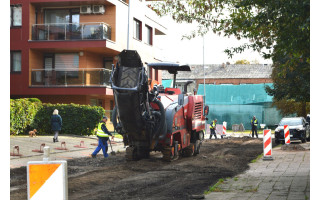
[213, 128]
[103, 135]
[254, 126]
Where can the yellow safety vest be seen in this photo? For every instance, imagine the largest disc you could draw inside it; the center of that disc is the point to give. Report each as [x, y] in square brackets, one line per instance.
[100, 132]
[255, 122]
[213, 125]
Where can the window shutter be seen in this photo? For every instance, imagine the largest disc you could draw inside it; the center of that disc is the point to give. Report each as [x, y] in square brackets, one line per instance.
[67, 61]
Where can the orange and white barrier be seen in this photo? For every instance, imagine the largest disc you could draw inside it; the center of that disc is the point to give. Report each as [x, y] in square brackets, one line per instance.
[267, 145]
[224, 132]
[286, 134]
[47, 180]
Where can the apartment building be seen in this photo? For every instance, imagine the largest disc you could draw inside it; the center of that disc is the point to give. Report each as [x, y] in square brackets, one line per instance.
[61, 51]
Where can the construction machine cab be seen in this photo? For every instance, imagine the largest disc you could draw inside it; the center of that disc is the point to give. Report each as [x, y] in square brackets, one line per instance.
[172, 68]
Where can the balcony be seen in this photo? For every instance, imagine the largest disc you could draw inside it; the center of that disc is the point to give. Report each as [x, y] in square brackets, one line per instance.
[83, 77]
[71, 31]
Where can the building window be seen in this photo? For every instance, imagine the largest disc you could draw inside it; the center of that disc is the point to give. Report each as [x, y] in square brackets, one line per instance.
[156, 74]
[137, 29]
[62, 16]
[15, 61]
[67, 63]
[150, 73]
[96, 102]
[149, 35]
[15, 15]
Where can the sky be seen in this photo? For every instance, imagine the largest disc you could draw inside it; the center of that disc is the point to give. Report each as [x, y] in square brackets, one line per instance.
[191, 51]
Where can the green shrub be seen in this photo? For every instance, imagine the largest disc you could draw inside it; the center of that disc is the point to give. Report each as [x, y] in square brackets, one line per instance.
[28, 114]
[22, 113]
[34, 100]
[76, 119]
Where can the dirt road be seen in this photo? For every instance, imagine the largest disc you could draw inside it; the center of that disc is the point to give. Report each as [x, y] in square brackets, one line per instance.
[115, 178]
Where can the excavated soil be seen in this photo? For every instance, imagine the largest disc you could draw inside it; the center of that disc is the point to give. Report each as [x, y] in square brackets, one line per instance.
[116, 178]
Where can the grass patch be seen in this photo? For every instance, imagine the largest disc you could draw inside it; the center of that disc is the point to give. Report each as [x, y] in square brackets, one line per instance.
[256, 159]
[252, 190]
[235, 178]
[215, 187]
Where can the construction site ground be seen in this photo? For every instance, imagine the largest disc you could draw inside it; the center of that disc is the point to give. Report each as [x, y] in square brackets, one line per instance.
[116, 178]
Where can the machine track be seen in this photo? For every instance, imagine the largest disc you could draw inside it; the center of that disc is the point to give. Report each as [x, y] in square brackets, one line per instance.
[167, 154]
[189, 150]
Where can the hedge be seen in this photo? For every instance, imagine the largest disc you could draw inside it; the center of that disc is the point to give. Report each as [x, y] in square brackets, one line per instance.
[76, 119]
[22, 113]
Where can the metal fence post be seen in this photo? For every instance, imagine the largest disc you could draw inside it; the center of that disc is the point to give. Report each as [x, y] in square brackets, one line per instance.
[65, 32]
[82, 31]
[65, 78]
[48, 31]
[82, 77]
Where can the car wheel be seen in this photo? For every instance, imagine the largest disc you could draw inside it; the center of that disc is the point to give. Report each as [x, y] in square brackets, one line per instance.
[277, 141]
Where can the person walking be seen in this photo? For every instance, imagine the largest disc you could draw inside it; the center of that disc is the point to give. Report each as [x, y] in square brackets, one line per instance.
[103, 135]
[254, 126]
[56, 124]
[213, 129]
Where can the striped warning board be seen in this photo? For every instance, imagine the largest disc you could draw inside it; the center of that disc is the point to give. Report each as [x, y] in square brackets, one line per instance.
[224, 133]
[47, 180]
[267, 145]
[286, 134]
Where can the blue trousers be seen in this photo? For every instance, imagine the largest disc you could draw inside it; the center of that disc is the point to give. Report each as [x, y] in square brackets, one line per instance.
[254, 130]
[103, 144]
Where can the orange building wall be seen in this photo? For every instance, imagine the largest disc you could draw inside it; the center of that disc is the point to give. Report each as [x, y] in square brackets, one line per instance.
[91, 60]
[35, 61]
[32, 19]
[109, 17]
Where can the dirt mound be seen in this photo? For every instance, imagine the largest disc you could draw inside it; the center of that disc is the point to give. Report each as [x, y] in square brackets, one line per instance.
[116, 178]
[294, 147]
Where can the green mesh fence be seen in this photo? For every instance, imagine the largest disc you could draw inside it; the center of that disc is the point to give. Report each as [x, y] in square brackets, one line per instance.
[167, 83]
[237, 104]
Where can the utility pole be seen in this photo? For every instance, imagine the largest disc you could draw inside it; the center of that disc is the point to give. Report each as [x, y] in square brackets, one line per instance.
[204, 84]
[204, 74]
[128, 25]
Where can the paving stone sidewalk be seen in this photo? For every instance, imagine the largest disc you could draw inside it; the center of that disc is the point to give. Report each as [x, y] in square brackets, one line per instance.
[287, 177]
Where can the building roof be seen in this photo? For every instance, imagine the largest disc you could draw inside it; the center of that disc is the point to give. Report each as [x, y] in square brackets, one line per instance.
[218, 71]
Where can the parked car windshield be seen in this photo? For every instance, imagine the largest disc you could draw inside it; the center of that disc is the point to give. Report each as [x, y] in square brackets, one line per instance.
[291, 121]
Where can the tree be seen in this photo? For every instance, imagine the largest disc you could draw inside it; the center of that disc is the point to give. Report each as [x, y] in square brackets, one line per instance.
[289, 107]
[278, 29]
[242, 62]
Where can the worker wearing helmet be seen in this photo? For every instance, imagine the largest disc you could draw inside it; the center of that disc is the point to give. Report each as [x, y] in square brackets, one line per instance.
[254, 126]
[213, 128]
[103, 135]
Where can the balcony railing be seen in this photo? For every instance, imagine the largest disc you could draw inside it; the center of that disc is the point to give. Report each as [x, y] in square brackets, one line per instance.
[83, 77]
[71, 31]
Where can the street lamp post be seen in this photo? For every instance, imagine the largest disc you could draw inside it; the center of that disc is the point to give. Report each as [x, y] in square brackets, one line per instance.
[128, 25]
[204, 84]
